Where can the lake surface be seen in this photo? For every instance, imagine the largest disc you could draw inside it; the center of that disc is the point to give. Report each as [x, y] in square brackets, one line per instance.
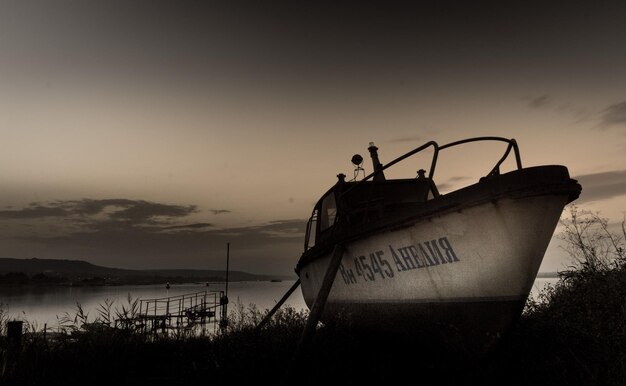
[44, 305]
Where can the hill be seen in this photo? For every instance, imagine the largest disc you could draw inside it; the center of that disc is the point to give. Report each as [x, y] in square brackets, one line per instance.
[81, 270]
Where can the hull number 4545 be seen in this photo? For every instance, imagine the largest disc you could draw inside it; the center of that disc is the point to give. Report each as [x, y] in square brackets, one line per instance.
[379, 265]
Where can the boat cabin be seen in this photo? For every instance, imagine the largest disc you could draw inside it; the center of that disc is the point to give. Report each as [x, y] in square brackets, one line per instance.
[348, 207]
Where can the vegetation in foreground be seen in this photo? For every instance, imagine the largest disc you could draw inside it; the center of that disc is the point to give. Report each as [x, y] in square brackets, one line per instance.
[574, 333]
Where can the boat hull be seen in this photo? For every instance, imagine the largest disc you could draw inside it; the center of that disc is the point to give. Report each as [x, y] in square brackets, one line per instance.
[470, 269]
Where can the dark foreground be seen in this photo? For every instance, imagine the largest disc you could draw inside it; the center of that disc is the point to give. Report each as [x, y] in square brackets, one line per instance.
[575, 334]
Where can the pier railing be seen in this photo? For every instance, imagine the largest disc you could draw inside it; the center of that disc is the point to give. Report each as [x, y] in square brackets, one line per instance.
[196, 312]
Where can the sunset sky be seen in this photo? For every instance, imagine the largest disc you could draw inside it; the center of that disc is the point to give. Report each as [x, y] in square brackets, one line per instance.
[147, 134]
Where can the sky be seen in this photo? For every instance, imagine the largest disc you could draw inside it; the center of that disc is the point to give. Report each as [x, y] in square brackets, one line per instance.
[148, 134]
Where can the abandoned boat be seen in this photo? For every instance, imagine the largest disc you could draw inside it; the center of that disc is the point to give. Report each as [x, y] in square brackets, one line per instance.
[412, 258]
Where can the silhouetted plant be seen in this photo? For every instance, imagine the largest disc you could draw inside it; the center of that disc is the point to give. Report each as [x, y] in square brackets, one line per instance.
[590, 242]
[73, 323]
[104, 312]
[4, 317]
[576, 328]
[125, 317]
[241, 317]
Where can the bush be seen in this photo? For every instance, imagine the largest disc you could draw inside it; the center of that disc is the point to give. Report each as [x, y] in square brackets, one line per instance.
[575, 332]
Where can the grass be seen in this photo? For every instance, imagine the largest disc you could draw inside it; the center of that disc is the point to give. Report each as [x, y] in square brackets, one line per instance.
[96, 353]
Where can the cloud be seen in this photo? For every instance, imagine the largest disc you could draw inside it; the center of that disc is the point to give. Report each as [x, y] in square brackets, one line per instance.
[458, 178]
[143, 234]
[272, 247]
[219, 211]
[91, 207]
[613, 115]
[284, 228]
[263, 235]
[610, 116]
[406, 139]
[189, 226]
[35, 211]
[95, 213]
[443, 187]
[548, 102]
[540, 101]
[451, 182]
[600, 186]
[144, 211]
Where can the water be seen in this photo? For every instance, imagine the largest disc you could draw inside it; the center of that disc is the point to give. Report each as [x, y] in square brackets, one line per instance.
[45, 305]
[540, 284]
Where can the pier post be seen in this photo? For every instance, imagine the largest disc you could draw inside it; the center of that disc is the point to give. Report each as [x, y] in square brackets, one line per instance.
[14, 345]
[14, 334]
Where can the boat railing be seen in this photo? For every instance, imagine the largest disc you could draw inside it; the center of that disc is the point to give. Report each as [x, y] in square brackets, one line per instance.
[512, 145]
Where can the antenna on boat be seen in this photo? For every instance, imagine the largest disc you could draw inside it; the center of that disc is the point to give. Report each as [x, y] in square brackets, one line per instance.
[357, 161]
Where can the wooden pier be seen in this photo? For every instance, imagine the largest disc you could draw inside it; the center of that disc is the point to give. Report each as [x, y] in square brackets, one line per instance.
[195, 313]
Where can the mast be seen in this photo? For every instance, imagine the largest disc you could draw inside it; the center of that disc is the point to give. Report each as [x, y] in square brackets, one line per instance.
[224, 298]
[227, 264]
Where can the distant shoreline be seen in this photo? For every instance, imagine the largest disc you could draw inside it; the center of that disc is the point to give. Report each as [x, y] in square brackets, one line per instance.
[548, 275]
[78, 273]
[163, 283]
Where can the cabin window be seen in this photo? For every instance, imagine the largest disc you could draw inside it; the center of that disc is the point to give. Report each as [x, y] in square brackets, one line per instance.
[329, 212]
[311, 228]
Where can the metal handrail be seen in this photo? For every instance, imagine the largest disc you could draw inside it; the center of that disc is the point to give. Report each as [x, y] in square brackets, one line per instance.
[512, 145]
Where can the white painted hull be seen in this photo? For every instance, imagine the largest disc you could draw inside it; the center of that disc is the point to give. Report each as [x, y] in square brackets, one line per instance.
[491, 254]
